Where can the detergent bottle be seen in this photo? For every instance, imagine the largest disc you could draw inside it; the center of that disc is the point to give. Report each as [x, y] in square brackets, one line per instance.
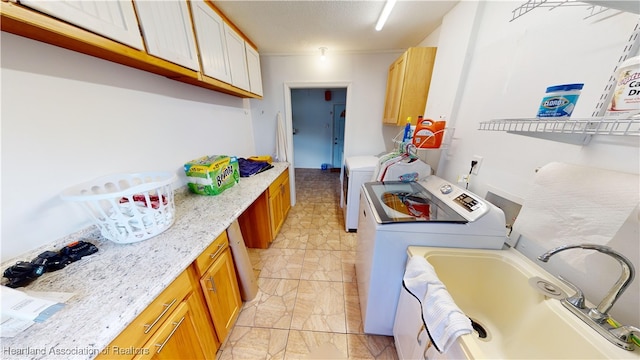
[428, 134]
[407, 131]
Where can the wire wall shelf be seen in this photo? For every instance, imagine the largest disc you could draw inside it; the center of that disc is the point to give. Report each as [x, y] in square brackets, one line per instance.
[529, 5]
[401, 146]
[574, 131]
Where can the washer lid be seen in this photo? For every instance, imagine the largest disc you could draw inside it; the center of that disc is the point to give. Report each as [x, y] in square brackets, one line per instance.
[396, 202]
[361, 162]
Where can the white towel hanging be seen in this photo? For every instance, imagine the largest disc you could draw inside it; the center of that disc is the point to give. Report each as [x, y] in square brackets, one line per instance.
[442, 318]
[281, 139]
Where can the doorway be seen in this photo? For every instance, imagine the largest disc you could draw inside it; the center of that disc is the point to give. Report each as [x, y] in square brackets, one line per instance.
[288, 87]
[318, 121]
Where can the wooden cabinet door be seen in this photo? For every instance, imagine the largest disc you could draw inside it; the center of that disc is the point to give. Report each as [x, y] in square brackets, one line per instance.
[255, 223]
[209, 28]
[168, 33]
[275, 209]
[417, 79]
[253, 66]
[408, 84]
[221, 291]
[177, 338]
[286, 197]
[279, 202]
[237, 58]
[115, 20]
[395, 82]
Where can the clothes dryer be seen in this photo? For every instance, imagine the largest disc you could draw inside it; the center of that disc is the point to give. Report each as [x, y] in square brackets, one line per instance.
[357, 171]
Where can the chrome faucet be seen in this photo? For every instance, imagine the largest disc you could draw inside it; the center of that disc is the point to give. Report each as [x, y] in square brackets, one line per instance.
[600, 313]
[597, 317]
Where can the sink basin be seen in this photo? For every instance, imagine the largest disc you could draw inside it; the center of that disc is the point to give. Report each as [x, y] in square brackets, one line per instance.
[492, 288]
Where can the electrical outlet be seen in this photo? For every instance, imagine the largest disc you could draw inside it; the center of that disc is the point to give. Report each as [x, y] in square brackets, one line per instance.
[463, 178]
[476, 168]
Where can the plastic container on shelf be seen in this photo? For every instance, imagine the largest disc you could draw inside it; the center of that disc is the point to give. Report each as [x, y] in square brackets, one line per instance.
[625, 101]
[428, 134]
[128, 208]
[559, 101]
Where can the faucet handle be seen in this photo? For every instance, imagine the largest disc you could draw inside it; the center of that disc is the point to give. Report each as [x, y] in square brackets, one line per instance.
[624, 332]
[577, 299]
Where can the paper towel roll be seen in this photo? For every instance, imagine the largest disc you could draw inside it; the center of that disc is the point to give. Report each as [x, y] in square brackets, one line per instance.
[571, 204]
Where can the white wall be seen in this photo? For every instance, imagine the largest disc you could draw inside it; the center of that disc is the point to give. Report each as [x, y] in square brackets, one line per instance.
[510, 64]
[459, 30]
[367, 75]
[68, 118]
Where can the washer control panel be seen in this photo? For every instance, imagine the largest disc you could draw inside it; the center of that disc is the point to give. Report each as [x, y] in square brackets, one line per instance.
[467, 204]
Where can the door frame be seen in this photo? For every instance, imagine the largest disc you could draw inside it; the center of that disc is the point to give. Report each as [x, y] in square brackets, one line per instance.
[288, 119]
[333, 148]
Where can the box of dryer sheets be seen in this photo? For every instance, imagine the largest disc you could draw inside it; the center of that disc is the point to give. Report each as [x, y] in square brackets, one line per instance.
[211, 175]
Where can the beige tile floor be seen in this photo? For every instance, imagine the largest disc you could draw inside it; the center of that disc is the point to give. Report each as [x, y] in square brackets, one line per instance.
[307, 305]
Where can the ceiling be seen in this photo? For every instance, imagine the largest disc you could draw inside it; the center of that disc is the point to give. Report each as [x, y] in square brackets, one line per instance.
[303, 26]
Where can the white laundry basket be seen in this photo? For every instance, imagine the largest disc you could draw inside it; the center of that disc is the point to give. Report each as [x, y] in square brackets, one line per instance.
[128, 207]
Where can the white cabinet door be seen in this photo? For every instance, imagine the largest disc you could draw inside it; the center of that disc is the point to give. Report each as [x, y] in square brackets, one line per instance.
[410, 336]
[167, 31]
[209, 28]
[237, 58]
[253, 66]
[115, 20]
[408, 329]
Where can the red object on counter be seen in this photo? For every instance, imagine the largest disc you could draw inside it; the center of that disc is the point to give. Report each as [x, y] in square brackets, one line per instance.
[140, 200]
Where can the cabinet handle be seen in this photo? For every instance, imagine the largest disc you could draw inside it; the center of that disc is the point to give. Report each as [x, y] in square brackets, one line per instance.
[176, 326]
[418, 336]
[213, 285]
[166, 308]
[220, 247]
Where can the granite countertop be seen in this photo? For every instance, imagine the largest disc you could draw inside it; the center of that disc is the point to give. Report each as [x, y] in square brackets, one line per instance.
[117, 283]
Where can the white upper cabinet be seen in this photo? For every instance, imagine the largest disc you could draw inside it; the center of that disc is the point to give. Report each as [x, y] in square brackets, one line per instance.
[253, 66]
[167, 31]
[115, 20]
[237, 58]
[209, 28]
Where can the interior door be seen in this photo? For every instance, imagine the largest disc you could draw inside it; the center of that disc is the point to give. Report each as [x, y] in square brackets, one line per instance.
[338, 134]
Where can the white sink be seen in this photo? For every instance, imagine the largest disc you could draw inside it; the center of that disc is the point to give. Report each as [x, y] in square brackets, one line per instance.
[492, 288]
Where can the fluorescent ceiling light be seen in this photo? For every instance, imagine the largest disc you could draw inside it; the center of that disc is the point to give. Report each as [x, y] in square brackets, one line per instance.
[385, 14]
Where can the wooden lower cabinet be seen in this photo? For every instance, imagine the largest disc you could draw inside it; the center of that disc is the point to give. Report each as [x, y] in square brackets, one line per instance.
[178, 337]
[255, 223]
[279, 202]
[262, 221]
[181, 302]
[222, 294]
[191, 317]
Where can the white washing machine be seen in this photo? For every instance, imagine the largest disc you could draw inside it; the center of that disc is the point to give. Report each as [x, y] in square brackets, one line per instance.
[395, 215]
[357, 171]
